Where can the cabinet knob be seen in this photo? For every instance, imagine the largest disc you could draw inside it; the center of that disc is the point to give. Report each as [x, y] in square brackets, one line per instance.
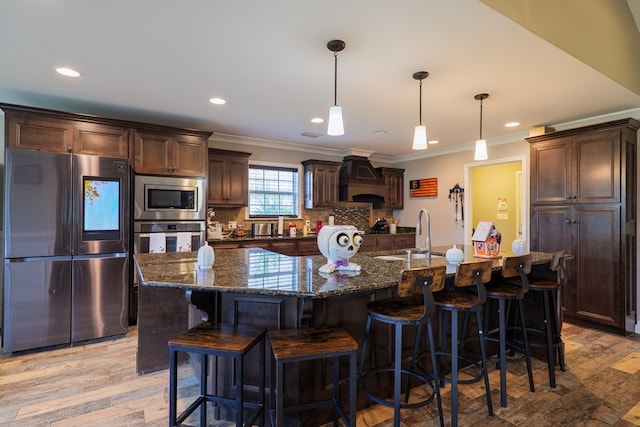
[69, 149]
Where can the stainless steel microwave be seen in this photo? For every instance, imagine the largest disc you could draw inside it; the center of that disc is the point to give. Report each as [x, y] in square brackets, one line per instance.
[169, 198]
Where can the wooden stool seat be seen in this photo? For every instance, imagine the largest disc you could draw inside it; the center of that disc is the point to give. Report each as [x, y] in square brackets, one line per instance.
[296, 345]
[229, 341]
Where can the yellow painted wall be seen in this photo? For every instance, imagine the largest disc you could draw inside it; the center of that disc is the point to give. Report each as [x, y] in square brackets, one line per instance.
[491, 183]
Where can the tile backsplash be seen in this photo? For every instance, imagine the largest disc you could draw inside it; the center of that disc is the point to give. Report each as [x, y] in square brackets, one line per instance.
[360, 215]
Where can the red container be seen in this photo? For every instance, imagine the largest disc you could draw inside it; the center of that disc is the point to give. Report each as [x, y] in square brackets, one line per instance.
[318, 225]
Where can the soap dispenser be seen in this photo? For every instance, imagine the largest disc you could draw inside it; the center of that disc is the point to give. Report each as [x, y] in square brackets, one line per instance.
[206, 256]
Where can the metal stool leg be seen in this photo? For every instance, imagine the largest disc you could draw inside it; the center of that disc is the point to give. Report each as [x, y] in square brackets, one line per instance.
[203, 389]
[548, 337]
[436, 382]
[555, 315]
[525, 342]
[483, 353]
[397, 374]
[454, 368]
[173, 386]
[336, 388]
[352, 389]
[502, 330]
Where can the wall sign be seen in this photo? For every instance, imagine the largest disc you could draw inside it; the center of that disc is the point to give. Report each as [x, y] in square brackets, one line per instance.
[426, 187]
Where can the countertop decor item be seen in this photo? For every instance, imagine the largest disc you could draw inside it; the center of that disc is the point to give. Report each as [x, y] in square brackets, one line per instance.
[519, 247]
[454, 255]
[206, 256]
[338, 243]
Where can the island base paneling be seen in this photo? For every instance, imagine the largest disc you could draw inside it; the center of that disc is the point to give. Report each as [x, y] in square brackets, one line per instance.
[162, 314]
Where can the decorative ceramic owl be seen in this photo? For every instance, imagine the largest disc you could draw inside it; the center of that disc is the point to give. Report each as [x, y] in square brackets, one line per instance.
[338, 243]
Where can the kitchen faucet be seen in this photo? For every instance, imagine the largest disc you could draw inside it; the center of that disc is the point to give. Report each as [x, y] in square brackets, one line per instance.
[423, 240]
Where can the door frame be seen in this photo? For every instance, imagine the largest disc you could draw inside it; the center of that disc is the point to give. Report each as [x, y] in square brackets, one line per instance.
[524, 199]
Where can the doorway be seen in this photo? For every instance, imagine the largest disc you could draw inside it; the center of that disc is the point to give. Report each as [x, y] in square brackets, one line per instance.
[496, 190]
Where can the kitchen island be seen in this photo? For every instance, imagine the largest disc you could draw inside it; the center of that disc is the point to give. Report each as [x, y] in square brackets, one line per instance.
[261, 288]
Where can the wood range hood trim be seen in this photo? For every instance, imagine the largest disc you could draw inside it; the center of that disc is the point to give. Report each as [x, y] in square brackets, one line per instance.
[360, 182]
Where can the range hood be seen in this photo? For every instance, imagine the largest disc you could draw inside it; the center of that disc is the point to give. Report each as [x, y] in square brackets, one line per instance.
[360, 182]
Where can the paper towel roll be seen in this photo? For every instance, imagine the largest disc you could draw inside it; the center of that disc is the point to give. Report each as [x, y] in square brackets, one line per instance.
[280, 225]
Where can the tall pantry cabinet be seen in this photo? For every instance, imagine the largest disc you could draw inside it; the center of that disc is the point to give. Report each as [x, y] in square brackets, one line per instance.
[583, 199]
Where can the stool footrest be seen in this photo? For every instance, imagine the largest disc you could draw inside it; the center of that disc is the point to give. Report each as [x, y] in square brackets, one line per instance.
[403, 405]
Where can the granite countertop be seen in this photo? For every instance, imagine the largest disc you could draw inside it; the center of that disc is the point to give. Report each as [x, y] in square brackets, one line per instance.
[259, 271]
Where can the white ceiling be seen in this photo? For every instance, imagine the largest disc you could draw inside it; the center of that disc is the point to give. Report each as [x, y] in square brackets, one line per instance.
[161, 60]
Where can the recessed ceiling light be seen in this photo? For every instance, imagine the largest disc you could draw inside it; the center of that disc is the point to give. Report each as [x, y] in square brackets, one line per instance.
[217, 101]
[317, 120]
[380, 132]
[68, 72]
[433, 141]
[511, 124]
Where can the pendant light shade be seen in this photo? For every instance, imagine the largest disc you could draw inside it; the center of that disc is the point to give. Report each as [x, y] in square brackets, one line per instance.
[481, 144]
[335, 126]
[420, 138]
[420, 132]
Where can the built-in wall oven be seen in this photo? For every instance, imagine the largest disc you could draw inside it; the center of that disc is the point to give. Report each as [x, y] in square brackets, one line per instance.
[169, 215]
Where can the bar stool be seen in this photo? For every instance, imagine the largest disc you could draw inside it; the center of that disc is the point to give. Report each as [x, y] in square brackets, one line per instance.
[407, 310]
[507, 291]
[462, 301]
[552, 314]
[297, 345]
[229, 341]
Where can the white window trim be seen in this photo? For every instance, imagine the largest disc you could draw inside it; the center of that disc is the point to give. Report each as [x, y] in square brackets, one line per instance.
[297, 166]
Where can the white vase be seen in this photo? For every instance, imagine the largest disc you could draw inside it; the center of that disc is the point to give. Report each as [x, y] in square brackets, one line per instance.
[519, 247]
[206, 256]
[454, 255]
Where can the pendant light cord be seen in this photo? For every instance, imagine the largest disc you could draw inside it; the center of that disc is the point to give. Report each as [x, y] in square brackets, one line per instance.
[420, 107]
[335, 78]
[481, 117]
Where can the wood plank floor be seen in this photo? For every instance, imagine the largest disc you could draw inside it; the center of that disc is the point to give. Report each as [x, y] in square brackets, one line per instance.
[96, 385]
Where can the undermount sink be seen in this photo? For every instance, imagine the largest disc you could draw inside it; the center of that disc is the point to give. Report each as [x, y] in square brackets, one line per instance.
[404, 257]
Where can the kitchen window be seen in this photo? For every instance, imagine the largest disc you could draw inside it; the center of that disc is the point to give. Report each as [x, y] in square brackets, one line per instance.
[273, 191]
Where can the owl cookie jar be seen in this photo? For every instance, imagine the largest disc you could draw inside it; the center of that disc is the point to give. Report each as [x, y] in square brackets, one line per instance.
[338, 243]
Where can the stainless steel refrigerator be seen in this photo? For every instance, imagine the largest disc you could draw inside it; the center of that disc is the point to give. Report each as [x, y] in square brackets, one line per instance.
[66, 239]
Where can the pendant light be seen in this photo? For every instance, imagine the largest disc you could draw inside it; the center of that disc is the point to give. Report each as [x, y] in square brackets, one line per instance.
[420, 132]
[481, 144]
[335, 126]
